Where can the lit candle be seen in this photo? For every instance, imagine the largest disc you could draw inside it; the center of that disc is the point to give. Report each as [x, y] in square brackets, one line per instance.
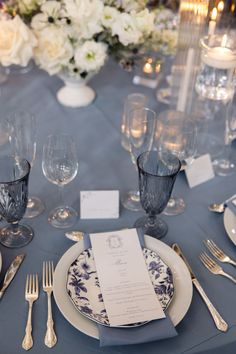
[220, 58]
[212, 23]
[220, 6]
[147, 69]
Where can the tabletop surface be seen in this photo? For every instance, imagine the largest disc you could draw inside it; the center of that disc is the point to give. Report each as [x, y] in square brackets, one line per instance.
[105, 165]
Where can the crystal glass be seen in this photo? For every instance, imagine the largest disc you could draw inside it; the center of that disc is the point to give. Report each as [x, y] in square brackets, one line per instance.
[225, 164]
[141, 131]
[157, 174]
[14, 175]
[60, 166]
[176, 133]
[23, 140]
[132, 101]
[216, 79]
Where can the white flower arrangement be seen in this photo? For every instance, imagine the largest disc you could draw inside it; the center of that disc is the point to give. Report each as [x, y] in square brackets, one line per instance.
[74, 36]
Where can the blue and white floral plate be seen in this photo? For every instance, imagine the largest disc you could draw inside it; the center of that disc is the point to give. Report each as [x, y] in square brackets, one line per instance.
[84, 290]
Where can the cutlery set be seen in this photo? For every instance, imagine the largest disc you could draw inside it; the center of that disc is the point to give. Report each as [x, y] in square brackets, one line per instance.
[211, 264]
[31, 295]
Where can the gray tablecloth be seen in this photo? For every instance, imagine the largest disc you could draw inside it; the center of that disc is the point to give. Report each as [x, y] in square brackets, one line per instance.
[104, 164]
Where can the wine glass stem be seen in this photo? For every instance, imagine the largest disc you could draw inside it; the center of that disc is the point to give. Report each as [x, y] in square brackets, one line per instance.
[61, 195]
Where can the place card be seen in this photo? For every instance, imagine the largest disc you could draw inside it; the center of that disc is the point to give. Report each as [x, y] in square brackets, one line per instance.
[99, 204]
[199, 171]
[127, 291]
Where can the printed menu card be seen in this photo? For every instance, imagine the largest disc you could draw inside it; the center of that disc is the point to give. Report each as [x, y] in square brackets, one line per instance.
[127, 291]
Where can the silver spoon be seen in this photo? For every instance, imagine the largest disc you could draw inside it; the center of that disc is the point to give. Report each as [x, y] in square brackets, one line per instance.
[75, 235]
[220, 208]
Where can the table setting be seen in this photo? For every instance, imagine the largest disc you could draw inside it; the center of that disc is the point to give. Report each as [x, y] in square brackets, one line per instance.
[118, 217]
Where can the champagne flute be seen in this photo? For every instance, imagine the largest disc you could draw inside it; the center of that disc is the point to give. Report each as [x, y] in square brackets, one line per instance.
[23, 137]
[60, 166]
[132, 101]
[141, 131]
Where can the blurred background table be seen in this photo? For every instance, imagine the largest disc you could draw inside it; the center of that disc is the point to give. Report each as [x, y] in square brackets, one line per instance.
[104, 164]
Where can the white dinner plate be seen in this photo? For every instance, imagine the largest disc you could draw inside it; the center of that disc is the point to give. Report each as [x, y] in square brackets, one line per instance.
[177, 309]
[230, 224]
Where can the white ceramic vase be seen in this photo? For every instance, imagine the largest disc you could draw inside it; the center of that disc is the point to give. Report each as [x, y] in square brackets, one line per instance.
[75, 92]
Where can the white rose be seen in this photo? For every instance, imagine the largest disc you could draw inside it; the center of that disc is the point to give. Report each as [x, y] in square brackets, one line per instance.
[145, 21]
[90, 56]
[110, 15]
[126, 29]
[16, 42]
[86, 16]
[54, 49]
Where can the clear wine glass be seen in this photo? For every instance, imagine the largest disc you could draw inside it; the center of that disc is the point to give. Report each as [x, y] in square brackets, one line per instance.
[140, 133]
[14, 175]
[23, 140]
[60, 166]
[176, 133]
[157, 174]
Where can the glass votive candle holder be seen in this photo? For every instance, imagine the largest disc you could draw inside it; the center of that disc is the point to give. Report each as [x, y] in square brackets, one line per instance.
[216, 77]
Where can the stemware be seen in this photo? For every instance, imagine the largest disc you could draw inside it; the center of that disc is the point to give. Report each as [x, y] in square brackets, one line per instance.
[22, 137]
[14, 175]
[60, 167]
[132, 101]
[225, 165]
[157, 174]
[176, 133]
[141, 131]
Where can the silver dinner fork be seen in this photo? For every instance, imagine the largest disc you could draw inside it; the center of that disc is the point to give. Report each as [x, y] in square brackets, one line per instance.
[218, 253]
[213, 267]
[31, 295]
[50, 336]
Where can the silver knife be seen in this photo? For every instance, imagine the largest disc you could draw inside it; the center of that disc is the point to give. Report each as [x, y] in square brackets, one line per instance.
[219, 322]
[11, 272]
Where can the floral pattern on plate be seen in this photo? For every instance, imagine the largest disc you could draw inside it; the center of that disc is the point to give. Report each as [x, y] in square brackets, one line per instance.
[85, 293]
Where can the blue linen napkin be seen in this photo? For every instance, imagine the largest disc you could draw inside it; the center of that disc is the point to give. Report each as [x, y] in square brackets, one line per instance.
[231, 204]
[152, 331]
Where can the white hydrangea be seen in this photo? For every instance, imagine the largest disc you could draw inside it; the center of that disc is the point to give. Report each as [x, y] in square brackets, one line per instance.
[86, 16]
[133, 5]
[54, 49]
[16, 42]
[145, 21]
[110, 15]
[125, 27]
[90, 56]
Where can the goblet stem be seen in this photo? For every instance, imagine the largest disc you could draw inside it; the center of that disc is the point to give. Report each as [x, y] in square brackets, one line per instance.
[151, 221]
[15, 227]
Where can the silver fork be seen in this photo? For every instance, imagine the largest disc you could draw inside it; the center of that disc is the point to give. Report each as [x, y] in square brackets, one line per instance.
[31, 295]
[213, 267]
[50, 336]
[218, 253]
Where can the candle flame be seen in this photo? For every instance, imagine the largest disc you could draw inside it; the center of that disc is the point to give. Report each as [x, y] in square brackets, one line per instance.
[232, 7]
[221, 6]
[214, 14]
[148, 68]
